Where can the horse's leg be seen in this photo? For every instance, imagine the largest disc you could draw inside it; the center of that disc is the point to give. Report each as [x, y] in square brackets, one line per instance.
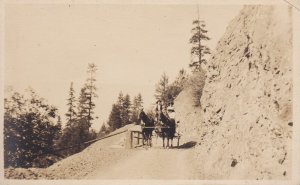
[150, 139]
[147, 139]
[156, 137]
[168, 139]
[171, 138]
[163, 136]
[168, 136]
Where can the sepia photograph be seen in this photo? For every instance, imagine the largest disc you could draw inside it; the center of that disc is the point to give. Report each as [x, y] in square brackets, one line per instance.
[167, 91]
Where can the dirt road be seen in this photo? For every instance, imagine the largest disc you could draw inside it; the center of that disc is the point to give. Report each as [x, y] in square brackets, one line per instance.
[153, 163]
[109, 159]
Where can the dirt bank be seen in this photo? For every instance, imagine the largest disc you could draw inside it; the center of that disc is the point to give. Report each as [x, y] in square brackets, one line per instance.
[245, 123]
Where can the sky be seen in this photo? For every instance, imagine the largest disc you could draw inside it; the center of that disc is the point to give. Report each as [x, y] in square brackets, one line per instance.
[49, 46]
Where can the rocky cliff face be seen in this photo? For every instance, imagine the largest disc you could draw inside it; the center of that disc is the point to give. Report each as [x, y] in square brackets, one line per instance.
[244, 126]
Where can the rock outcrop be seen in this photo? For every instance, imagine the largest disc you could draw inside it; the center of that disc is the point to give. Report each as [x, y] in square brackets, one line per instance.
[244, 127]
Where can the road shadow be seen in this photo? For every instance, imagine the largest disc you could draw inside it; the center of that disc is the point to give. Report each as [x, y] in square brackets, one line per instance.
[190, 144]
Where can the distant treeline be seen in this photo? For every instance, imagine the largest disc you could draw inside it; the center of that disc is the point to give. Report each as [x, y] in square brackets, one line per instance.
[125, 111]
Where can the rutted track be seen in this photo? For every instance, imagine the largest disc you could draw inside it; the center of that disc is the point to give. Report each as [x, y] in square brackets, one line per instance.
[153, 163]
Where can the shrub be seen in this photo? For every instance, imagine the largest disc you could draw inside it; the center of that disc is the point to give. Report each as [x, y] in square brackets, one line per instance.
[197, 82]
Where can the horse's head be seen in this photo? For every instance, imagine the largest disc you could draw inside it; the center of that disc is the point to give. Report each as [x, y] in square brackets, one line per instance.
[146, 120]
[164, 119]
[142, 115]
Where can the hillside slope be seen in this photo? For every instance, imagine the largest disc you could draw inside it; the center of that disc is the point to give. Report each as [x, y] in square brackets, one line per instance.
[99, 154]
[245, 123]
[109, 159]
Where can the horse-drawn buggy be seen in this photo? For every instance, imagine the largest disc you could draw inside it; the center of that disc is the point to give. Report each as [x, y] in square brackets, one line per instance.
[163, 126]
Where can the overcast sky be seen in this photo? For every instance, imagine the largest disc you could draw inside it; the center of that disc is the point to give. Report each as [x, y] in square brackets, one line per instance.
[49, 46]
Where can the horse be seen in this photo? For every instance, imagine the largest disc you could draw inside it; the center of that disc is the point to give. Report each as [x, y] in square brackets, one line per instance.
[146, 131]
[167, 130]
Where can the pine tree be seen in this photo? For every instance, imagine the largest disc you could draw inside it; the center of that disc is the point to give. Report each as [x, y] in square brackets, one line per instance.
[70, 137]
[136, 105]
[139, 100]
[120, 100]
[59, 127]
[86, 103]
[161, 90]
[91, 88]
[198, 50]
[126, 112]
[177, 86]
[120, 104]
[71, 134]
[82, 121]
[71, 114]
[134, 115]
[79, 131]
[115, 120]
[124, 105]
[83, 104]
[181, 79]
[103, 130]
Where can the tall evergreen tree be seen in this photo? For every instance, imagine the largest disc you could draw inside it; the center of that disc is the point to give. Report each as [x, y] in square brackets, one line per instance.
[177, 86]
[120, 100]
[59, 127]
[134, 115]
[181, 79]
[139, 100]
[90, 93]
[103, 130]
[161, 89]
[80, 129]
[120, 104]
[72, 134]
[198, 50]
[69, 137]
[124, 105]
[126, 110]
[115, 120]
[83, 104]
[82, 121]
[86, 103]
[71, 114]
[136, 105]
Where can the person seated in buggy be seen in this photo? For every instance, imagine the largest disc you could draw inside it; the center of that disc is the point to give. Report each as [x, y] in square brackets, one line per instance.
[158, 111]
[171, 111]
[166, 126]
[171, 115]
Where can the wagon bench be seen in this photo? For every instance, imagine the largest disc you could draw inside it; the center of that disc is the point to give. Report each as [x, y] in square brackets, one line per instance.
[135, 139]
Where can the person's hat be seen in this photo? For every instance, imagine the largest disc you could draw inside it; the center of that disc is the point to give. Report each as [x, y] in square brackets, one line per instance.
[170, 109]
